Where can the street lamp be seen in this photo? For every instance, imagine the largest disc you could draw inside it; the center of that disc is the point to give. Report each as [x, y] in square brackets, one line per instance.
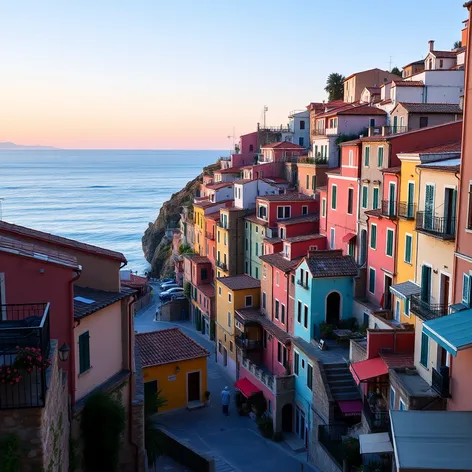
[64, 352]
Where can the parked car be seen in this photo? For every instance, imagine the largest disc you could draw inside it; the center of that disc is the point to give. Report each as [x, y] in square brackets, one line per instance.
[169, 285]
[166, 281]
[166, 295]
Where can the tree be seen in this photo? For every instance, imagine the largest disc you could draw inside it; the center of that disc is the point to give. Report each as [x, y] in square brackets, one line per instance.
[335, 86]
[457, 44]
[152, 436]
[396, 71]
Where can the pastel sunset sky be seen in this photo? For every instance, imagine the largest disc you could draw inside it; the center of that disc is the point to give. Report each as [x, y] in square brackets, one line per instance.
[180, 74]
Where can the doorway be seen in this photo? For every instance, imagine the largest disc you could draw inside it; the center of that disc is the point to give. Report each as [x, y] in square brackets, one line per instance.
[333, 308]
[300, 425]
[397, 310]
[225, 357]
[387, 294]
[193, 386]
[444, 290]
[287, 413]
[363, 247]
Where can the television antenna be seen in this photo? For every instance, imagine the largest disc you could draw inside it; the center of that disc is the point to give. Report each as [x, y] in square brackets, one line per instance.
[266, 109]
[233, 136]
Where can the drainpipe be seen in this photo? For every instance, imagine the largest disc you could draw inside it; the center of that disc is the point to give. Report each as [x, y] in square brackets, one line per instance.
[454, 265]
[71, 372]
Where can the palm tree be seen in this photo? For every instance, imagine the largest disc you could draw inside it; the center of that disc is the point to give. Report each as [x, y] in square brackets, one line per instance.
[152, 436]
[335, 86]
[457, 44]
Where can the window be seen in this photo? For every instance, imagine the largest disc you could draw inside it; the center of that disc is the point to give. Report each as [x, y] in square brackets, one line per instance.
[408, 248]
[307, 182]
[246, 264]
[283, 212]
[257, 249]
[229, 319]
[466, 289]
[264, 271]
[301, 141]
[350, 200]
[334, 191]
[375, 198]
[332, 238]
[257, 229]
[264, 299]
[302, 124]
[424, 350]
[366, 156]
[256, 272]
[423, 121]
[224, 239]
[230, 298]
[305, 317]
[264, 339]
[313, 183]
[389, 250]
[277, 309]
[365, 196]
[305, 210]
[380, 156]
[282, 313]
[296, 362]
[309, 376]
[204, 274]
[247, 244]
[402, 405]
[372, 280]
[262, 212]
[248, 300]
[277, 278]
[406, 307]
[373, 236]
[392, 398]
[323, 209]
[351, 158]
[219, 291]
[299, 313]
[279, 353]
[84, 352]
[231, 346]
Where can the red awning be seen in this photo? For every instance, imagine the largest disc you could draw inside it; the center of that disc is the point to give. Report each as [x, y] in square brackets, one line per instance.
[246, 387]
[350, 407]
[368, 369]
[348, 237]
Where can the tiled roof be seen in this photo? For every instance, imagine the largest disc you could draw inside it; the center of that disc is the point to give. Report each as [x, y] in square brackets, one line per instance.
[421, 61]
[240, 282]
[219, 185]
[274, 180]
[59, 240]
[392, 170]
[305, 237]
[285, 197]
[273, 240]
[387, 101]
[447, 165]
[453, 147]
[254, 315]
[33, 251]
[299, 219]
[279, 261]
[282, 145]
[323, 188]
[405, 289]
[350, 143]
[229, 170]
[255, 219]
[376, 212]
[397, 359]
[444, 54]
[431, 107]
[363, 72]
[197, 259]
[207, 204]
[96, 299]
[134, 281]
[331, 264]
[373, 90]
[166, 346]
[354, 108]
[207, 290]
[243, 181]
[407, 83]
[213, 216]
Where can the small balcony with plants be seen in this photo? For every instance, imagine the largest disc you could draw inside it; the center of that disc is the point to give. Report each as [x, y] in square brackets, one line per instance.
[24, 355]
[222, 265]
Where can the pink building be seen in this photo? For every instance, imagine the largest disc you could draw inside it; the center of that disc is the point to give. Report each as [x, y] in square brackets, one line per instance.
[263, 170]
[248, 149]
[281, 152]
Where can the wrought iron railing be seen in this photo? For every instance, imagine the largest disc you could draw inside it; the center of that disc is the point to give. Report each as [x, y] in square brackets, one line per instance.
[388, 130]
[378, 420]
[331, 437]
[407, 210]
[247, 344]
[426, 310]
[222, 265]
[389, 208]
[319, 132]
[302, 284]
[24, 329]
[438, 226]
[440, 381]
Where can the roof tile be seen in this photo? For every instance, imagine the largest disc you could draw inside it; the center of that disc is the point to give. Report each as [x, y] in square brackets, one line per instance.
[278, 261]
[331, 263]
[99, 299]
[240, 282]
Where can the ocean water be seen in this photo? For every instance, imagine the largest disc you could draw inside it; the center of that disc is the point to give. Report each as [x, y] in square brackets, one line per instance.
[105, 198]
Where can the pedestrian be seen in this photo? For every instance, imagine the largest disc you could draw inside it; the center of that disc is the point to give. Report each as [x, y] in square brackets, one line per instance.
[225, 396]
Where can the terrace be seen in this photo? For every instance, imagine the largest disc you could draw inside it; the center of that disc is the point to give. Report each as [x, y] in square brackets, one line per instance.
[24, 353]
[426, 310]
[436, 226]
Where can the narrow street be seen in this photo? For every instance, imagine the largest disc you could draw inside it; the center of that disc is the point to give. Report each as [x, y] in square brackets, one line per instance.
[234, 441]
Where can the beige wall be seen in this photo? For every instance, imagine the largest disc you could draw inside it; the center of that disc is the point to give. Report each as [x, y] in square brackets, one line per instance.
[412, 120]
[373, 78]
[425, 371]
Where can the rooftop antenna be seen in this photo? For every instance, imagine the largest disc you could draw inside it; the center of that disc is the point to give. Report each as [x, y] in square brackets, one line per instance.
[232, 136]
[266, 109]
[390, 64]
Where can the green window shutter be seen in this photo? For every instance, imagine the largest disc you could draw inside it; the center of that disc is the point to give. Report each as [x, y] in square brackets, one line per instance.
[411, 199]
[296, 361]
[334, 191]
[371, 280]
[380, 156]
[406, 306]
[375, 197]
[425, 283]
[309, 377]
[84, 352]
[313, 183]
[367, 156]
[424, 350]
[373, 237]
[307, 182]
[408, 244]
[364, 197]
[389, 243]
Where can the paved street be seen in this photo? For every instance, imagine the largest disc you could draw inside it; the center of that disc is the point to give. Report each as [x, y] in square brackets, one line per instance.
[234, 441]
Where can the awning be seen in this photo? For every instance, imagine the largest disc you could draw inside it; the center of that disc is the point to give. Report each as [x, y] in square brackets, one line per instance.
[405, 290]
[376, 443]
[350, 407]
[452, 332]
[246, 387]
[365, 370]
[348, 237]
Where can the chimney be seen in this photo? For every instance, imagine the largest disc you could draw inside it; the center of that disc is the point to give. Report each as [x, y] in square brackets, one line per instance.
[431, 45]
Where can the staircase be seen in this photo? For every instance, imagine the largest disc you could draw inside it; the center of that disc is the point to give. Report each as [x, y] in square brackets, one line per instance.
[340, 382]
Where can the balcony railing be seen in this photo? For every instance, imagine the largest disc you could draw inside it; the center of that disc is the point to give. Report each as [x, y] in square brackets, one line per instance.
[210, 235]
[378, 420]
[319, 132]
[220, 224]
[437, 226]
[277, 384]
[331, 131]
[426, 310]
[302, 284]
[247, 344]
[222, 265]
[407, 210]
[24, 329]
[389, 208]
[331, 437]
[388, 130]
[440, 381]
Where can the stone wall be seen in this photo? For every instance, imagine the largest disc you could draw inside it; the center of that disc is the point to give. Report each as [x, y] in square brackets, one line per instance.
[175, 310]
[317, 454]
[43, 432]
[357, 352]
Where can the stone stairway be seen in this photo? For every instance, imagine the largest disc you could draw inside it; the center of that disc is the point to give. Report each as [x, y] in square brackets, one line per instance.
[222, 466]
[340, 382]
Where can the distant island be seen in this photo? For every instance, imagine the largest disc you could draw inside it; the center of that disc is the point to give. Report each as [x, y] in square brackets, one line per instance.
[6, 146]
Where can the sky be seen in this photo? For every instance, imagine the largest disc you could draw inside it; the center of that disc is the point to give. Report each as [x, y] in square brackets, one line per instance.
[182, 74]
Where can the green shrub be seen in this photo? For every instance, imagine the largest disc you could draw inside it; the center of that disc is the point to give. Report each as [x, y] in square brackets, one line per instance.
[258, 403]
[266, 426]
[351, 451]
[10, 453]
[326, 331]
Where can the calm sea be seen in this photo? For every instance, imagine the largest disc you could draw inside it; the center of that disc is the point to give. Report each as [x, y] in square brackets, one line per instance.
[105, 198]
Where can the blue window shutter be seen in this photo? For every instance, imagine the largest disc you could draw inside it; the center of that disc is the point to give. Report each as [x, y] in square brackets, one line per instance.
[84, 352]
[424, 350]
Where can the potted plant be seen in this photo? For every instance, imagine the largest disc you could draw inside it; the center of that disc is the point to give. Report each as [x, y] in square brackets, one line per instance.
[9, 374]
[207, 398]
[28, 358]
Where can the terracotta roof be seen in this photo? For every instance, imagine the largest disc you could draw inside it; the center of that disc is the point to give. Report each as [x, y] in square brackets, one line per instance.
[33, 251]
[392, 170]
[447, 165]
[94, 300]
[354, 108]
[431, 107]
[331, 263]
[387, 101]
[323, 188]
[255, 219]
[230, 170]
[278, 260]
[197, 259]
[243, 181]
[377, 212]
[59, 240]
[166, 346]
[285, 197]
[253, 315]
[274, 180]
[407, 83]
[207, 289]
[350, 143]
[240, 282]
[421, 61]
[213, 216]
[305, 237]
[207, 204]
[219, 185]
[397, 359]
[373, 90]
[273, 240]
[364, 71]
[299, 219]
[134, 281]
[444, 54]
[454, 147]
[282, 145]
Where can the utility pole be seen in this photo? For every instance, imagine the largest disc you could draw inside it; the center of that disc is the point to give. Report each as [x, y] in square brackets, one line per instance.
[266, 109]
[390, 64]
[234, 137]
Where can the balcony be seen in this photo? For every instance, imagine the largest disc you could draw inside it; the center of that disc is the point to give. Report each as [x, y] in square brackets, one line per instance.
[437, 226]
[378, 419]
[220, 224]
[24, 354]
[425, 310]
[407, 210]
[210, 235]
[319, 132]
[222, 265]
[276, 384]
[389, 208]
[302, 284]
[331, 131]
[440, 381]
[247, 344]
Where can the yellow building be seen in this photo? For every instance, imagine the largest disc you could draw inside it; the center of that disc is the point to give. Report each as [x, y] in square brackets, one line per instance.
[199, 218]
[174, 364]
[232, 293]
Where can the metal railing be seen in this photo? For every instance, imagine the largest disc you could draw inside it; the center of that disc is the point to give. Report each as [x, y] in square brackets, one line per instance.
[22, 328]
[438, 226]
[220, 224]
[210, 235]
[302, 284]
[222, 265]
[247, 344]
[331, 437]
[426, 310]
[260, 374]
[389, 208]
[378, 420]
[407, 210]
[388, 130]
[440, 382]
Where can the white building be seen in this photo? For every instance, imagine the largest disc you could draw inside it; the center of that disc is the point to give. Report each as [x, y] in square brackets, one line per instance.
[300, 125]
[246, 191]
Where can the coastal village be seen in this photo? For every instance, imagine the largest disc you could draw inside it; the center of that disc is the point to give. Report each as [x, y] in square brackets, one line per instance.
[325, 268]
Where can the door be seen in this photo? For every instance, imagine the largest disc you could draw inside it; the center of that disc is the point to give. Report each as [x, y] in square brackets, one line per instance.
[333, 309]
[425, 283]
[411, 199]
[397, 310]
[392, 199]
[193, 386]
[363, 248]
[225, 357]
[444, 295]
[387, 294]
[429, 207]
[287, 418]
